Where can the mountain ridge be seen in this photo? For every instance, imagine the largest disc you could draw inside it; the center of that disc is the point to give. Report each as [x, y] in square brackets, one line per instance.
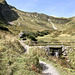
[21, 20]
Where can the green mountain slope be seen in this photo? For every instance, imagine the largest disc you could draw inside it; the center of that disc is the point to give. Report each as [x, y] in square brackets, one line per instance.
[32, 21]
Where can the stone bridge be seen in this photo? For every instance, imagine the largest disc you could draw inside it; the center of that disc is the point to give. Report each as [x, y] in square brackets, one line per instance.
[54, 50]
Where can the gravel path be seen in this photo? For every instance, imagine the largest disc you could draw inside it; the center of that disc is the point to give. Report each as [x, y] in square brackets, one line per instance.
[48, 69]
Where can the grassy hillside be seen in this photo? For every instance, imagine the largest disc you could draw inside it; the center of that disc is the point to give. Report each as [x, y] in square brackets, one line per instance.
[36, 21]
[13, 60]
[70, 29]
[21, 20]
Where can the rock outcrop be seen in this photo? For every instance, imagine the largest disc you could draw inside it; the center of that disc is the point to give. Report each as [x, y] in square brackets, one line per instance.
[6, 13]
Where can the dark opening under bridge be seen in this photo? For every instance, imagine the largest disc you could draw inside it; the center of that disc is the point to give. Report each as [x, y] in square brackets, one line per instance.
[53, 48]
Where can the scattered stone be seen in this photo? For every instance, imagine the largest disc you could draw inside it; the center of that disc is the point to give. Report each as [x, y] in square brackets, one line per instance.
[68, 61]
[20, 35]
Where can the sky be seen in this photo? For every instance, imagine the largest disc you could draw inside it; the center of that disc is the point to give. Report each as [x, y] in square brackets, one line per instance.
[58, 8]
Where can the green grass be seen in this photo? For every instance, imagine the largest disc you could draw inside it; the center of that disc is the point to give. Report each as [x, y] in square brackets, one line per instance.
[1, 1]
[71, 56]
[13, 60]
[12, 57]
[60, 38]
[58, 64]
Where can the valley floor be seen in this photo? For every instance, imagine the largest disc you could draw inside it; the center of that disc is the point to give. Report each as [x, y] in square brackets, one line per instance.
[14, 60]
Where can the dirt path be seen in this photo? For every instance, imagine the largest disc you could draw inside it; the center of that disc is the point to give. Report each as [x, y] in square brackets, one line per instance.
[26, 47]
[48, 69]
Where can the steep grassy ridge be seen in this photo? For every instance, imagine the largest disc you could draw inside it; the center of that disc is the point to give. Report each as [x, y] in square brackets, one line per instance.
[32, 21]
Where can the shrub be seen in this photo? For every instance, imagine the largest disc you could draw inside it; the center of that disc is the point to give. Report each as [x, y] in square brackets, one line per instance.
[32, 37]
[26, 33]
[4, 28]
[42, 33]
[24, 38]
[22, 35]
[45, 32]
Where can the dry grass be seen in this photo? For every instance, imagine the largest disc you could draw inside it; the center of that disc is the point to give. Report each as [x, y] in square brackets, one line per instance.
[13, 60]
[57, 63]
